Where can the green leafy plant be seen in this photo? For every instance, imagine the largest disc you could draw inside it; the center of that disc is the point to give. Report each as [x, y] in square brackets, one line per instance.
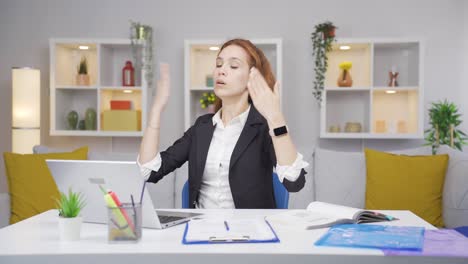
[83, 66]
[322, 39]
[141, 37]
[207, 99]
[444, 120]
[70, 205]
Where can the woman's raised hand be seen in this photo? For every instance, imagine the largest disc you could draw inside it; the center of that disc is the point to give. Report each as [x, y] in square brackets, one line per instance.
[266, 100]
[163, 89]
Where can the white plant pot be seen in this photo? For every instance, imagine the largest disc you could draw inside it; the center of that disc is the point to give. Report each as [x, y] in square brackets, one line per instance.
[70, 228]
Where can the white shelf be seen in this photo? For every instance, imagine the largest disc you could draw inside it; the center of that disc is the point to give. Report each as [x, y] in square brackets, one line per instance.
[396, 88]
[121, 88]
[371, 136]
[76, 87]
[66, 57]
[202, 88]
[112, 59]
[106, 58]
[382, 114]
[88, 133]
[394, 110]
[404, 56]
[347, 106]
[360, 54]
[347, 89]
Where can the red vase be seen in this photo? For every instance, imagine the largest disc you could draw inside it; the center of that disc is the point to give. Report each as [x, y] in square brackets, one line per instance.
[128, 74]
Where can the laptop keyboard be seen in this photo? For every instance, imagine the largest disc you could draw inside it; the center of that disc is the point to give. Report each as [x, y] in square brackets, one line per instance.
[167, 219]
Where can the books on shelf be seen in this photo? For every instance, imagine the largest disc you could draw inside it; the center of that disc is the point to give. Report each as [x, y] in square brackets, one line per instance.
[120, 105]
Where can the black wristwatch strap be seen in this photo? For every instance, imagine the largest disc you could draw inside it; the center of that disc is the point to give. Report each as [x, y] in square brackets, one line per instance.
[275, 132]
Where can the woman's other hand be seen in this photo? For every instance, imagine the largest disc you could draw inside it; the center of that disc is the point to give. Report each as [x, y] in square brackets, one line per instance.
[265, 99]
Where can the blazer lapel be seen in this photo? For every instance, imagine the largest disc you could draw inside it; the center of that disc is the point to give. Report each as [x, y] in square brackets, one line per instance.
[205, 134]
[249, 132]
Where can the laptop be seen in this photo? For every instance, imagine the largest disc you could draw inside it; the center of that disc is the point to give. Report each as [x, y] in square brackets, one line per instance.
[122, 177]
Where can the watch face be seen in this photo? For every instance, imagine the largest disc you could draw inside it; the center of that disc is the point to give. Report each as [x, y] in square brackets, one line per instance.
[280, 131]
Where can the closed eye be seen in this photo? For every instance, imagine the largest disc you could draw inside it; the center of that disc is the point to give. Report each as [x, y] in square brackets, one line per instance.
[219, 63]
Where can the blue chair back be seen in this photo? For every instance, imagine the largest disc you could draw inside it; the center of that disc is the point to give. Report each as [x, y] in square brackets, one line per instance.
[463, 230]
[185, 197]
[280, 192]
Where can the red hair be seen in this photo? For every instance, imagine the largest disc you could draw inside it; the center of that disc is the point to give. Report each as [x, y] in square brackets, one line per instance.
[255, 58]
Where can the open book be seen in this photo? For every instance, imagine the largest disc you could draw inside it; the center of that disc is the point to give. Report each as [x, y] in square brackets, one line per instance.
[320, 215]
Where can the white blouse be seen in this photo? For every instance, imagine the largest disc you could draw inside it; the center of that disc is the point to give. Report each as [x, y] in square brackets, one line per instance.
[215, 191]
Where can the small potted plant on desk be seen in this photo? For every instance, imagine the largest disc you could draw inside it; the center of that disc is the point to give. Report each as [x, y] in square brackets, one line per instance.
[69, 207]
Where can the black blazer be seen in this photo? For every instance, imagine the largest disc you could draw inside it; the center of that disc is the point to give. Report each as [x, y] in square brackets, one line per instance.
[251, 164]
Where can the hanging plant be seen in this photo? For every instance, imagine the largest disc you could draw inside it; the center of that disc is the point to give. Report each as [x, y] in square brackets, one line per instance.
[142, 35]
[444, 120]
[322, 39]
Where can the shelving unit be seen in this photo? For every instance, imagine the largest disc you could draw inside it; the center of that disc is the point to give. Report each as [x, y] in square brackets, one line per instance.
[106, 58]
[200, 63]
[382, 111]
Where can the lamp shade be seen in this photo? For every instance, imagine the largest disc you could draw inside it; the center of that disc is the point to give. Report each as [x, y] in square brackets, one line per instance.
[23, 140]
[26, 98]
[26, 114]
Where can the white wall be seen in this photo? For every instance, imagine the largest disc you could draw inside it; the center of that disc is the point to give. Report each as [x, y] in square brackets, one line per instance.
[464, 76]
[26, 26]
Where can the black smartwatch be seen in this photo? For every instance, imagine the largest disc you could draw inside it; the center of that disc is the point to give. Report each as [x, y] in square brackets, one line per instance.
[275, 132]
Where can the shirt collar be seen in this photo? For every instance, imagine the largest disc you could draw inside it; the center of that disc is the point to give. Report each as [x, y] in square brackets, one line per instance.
[242, 118]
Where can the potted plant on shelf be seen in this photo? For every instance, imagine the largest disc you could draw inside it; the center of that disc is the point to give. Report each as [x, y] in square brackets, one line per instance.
[322, 39]
[69, 207]
[82, 78]
[444, 120]
[207, 101]
[141, 36]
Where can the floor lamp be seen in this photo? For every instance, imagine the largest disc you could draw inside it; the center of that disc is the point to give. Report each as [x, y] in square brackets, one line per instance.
[26, 113]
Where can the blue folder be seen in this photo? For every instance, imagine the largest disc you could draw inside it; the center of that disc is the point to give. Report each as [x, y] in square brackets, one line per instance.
[374, 236]
[227, 238]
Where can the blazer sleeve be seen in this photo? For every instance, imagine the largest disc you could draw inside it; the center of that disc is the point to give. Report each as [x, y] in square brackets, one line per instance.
[291, 186]
[174, 156]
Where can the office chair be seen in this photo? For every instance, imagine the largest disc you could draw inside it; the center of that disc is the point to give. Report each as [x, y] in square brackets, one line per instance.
[463, 230]
[281, 194]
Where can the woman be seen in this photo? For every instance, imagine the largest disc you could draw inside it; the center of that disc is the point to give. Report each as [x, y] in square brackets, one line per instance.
[232, 153]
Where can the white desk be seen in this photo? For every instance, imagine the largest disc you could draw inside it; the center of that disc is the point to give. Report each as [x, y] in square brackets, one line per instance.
[36, 240]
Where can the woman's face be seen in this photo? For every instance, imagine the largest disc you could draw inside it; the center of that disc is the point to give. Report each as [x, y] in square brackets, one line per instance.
[231, 73]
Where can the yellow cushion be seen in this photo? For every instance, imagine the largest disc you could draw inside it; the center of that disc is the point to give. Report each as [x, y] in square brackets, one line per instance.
[31, 186]
[399, 182]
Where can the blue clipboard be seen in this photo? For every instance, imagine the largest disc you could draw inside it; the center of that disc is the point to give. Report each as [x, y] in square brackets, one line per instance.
[229, 239]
